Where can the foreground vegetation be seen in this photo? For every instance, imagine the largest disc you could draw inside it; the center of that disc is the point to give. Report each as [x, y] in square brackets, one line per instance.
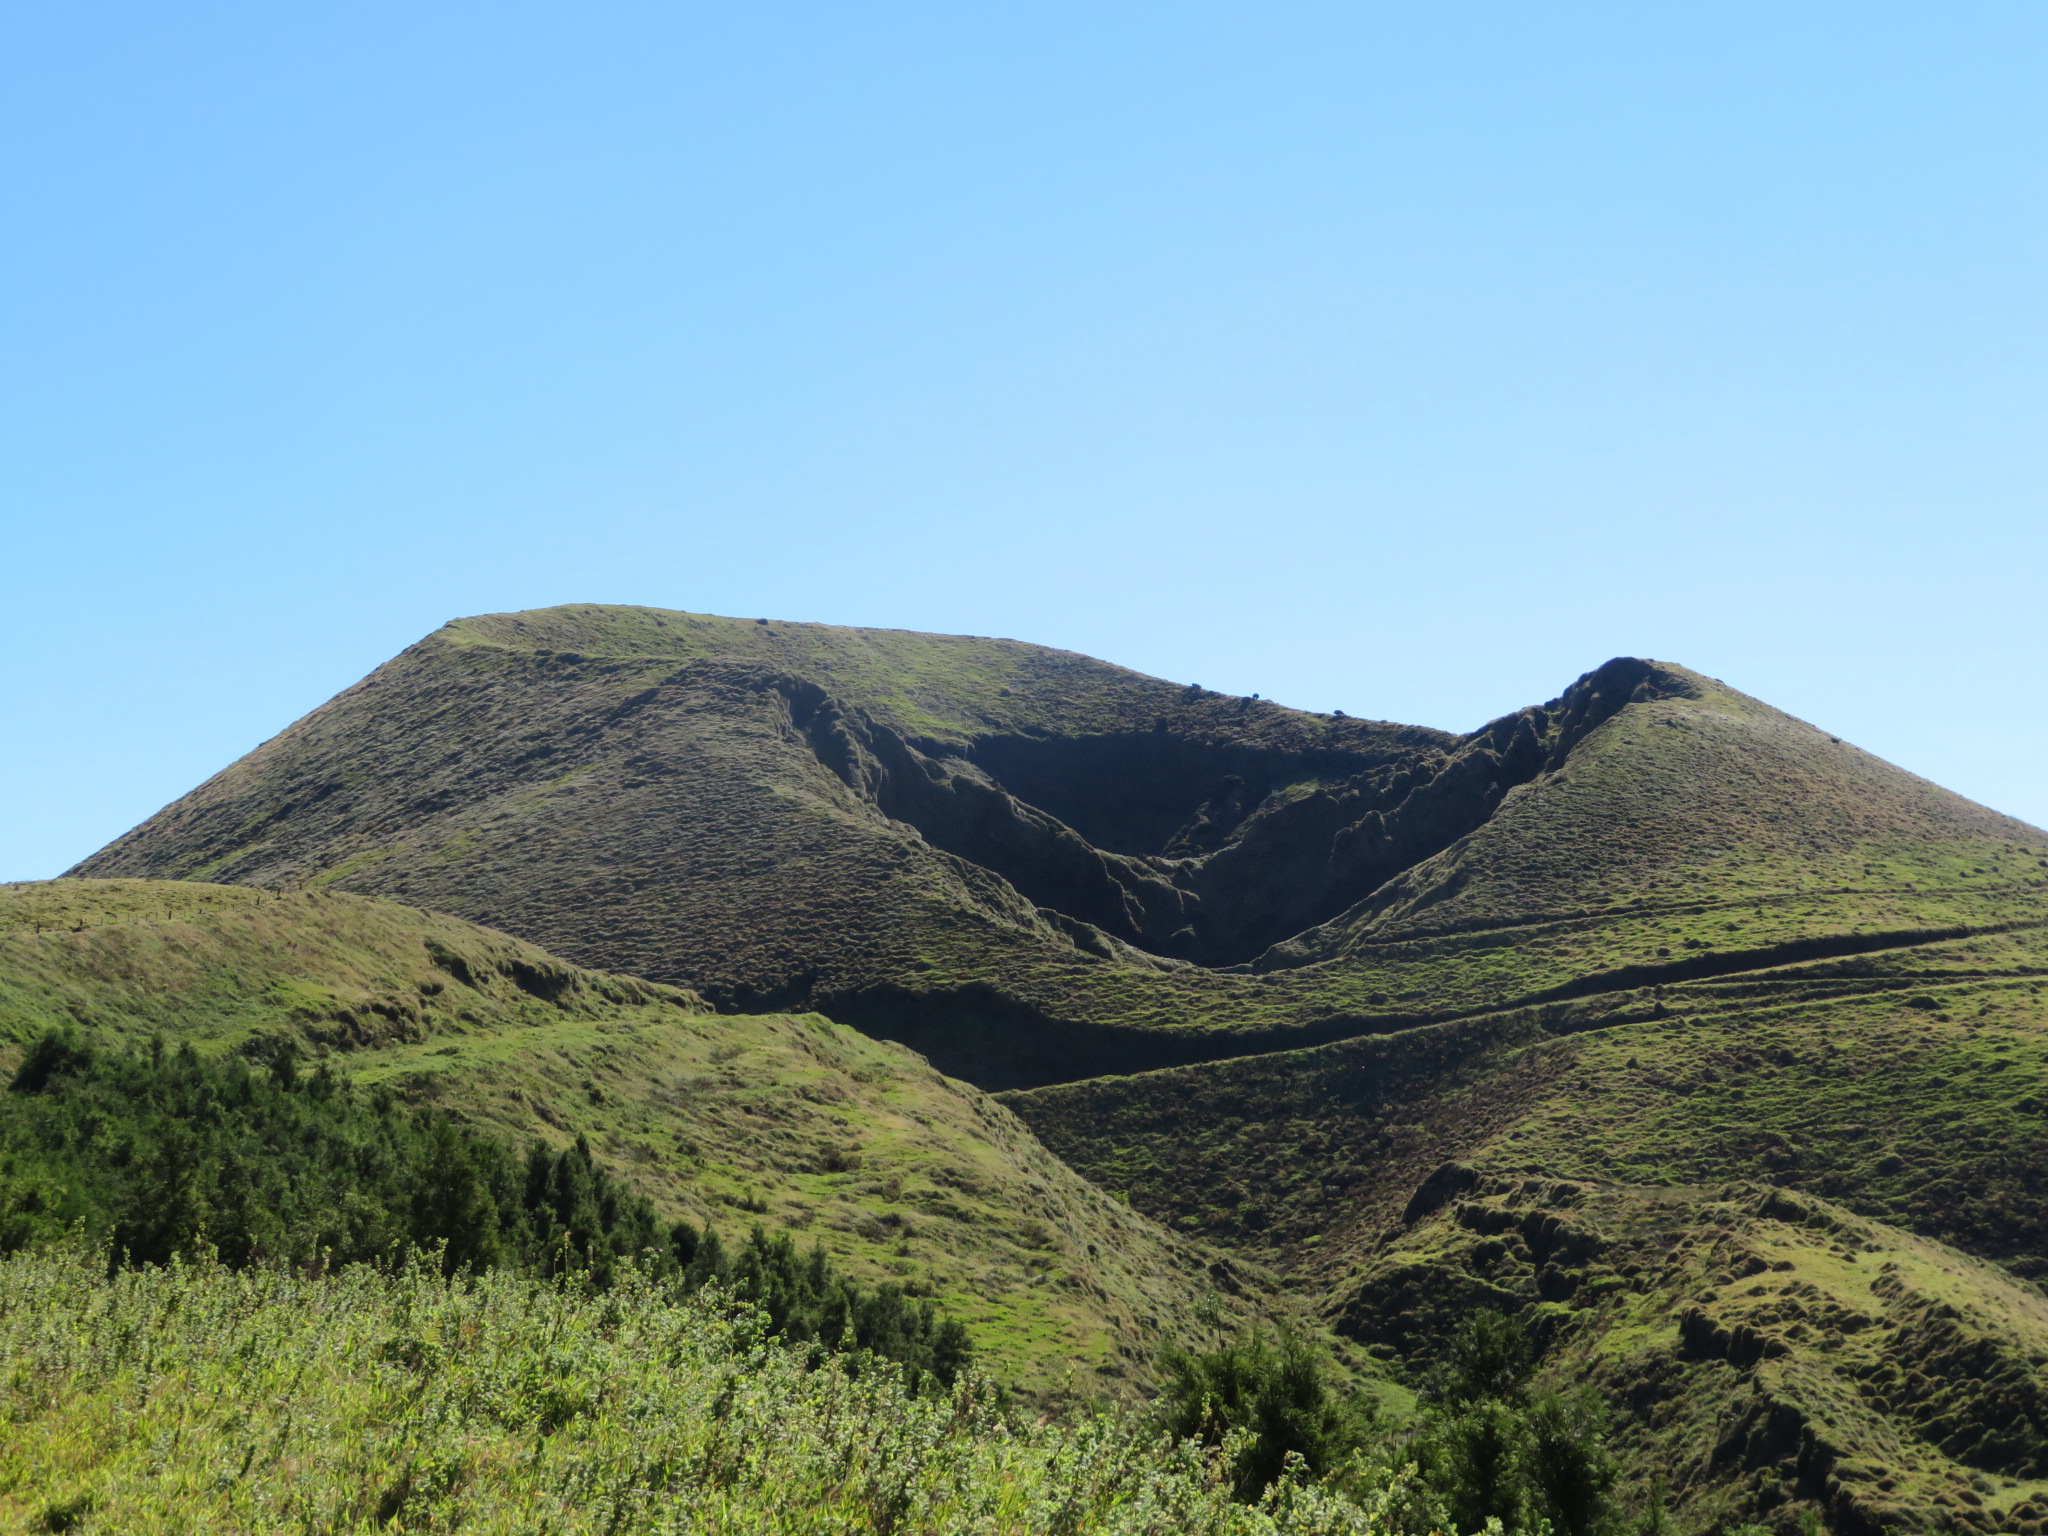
[235, 1189]
[1489, 1451]
[175, 1156]
[198, 1397]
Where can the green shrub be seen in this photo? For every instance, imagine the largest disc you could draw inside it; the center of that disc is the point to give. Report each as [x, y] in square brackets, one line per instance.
[1470, 1457]
[1566, 1460]
[1489, 1358]
[1269, 1399]
[1487, 1448]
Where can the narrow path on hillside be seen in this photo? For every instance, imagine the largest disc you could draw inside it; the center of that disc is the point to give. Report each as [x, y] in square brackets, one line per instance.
[1754, 962]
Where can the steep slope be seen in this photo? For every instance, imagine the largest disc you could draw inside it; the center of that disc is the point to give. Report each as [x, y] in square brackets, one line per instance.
[1036, 867]
[1602, 1165]
[790, 1121]
[1775, 1355]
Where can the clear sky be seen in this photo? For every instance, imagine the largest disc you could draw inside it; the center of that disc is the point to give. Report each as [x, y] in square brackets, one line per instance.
[1409, 359]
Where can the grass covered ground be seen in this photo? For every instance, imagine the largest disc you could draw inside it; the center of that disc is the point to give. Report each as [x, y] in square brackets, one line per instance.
[199, 1398]
[1609, 1165]
[1911, 1087]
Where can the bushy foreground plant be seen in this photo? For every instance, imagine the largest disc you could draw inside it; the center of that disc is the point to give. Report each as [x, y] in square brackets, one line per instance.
[1488, 1448]
[1486, 1453]
[173, 1155]
[198, 1397]
[1270, 1399]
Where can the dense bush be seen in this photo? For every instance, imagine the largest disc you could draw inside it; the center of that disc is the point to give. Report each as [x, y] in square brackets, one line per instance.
[1275, 1397]
[196, 1397]
[1484, 1449]
[172, 1154]
[165, 1153]
[1488, 1448]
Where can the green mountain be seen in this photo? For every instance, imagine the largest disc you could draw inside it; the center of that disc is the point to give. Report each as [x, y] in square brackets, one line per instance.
[1712, 1045]
[1035, 867]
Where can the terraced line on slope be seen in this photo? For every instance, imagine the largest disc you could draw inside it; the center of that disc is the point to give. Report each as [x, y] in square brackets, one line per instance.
[1301, 1156]
[1144, 1052]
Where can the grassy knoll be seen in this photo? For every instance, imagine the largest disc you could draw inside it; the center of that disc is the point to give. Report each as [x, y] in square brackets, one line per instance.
[791, 1122]
[258, 1401]
[227, 966]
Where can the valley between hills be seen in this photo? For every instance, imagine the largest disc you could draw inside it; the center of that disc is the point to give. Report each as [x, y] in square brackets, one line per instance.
[1111, 1014]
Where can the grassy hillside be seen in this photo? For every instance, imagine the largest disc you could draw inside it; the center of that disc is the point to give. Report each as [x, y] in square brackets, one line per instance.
[1706, 795]
[1911, 1086]
[788, 1121]
[1625, 1166]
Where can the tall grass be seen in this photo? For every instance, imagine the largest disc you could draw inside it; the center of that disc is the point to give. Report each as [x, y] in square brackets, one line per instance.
[197, 1397]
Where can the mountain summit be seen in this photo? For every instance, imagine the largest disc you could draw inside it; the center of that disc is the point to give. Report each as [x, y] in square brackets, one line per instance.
[1035, 866]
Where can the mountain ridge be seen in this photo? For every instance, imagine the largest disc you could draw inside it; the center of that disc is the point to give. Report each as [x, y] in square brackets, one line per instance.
[1028, 864]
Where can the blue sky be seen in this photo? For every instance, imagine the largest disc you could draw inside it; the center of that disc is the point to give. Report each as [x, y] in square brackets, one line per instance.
[1406, 359]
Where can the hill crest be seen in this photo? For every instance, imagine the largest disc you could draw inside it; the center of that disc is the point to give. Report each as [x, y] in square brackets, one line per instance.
[1030, 864]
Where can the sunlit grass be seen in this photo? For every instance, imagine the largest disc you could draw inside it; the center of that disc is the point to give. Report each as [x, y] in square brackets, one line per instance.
[200, 1398]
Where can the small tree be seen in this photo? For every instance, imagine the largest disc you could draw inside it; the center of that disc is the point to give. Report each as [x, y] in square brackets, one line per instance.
[1278, 1390]
[1490, 1358]
[1472, 1458]
[1569, 1467]
[1489, 1450]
